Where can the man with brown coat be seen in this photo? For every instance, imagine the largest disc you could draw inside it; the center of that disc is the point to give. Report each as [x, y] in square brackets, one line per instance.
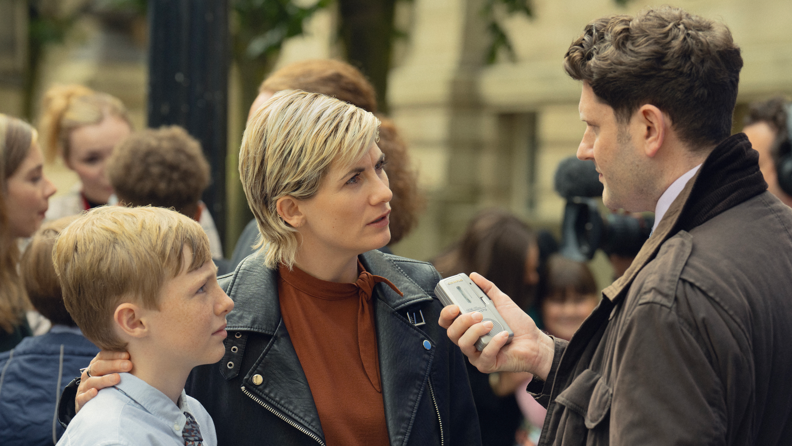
[690, 346]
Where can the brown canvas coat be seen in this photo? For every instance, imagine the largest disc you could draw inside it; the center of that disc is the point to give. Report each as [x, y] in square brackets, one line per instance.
[692, 345]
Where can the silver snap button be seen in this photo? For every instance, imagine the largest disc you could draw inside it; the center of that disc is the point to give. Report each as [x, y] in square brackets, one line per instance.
[234, 349]
[427, 345]
[230, 365]
[238, 334]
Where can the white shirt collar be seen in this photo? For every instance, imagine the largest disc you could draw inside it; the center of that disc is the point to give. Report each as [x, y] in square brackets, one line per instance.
[671, 194]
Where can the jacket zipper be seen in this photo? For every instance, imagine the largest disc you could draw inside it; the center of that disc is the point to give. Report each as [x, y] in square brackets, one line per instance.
[440, 420]
[291, 423]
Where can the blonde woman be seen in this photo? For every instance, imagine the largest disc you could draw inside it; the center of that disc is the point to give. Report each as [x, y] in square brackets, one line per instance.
[23, 203]
[331, 341]
[83, 127]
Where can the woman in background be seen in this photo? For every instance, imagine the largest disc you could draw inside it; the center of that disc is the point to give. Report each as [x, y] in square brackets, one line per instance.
[83, 126]
[23, 204]
[499, 246]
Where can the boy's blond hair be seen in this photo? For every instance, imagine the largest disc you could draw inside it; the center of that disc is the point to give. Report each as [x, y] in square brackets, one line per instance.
[288, 146]
[114, 254]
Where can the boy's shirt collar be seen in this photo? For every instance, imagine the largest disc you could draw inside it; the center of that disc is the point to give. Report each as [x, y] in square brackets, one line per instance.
[155, 402]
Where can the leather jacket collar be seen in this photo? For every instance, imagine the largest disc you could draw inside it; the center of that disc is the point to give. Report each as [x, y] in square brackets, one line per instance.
[262, 311]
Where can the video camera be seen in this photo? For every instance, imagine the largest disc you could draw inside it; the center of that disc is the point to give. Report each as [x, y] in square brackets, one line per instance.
[584, 229]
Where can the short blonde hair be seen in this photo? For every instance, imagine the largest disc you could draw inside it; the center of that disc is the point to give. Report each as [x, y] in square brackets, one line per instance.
[288, 146]
[113, 254]
[68, 107]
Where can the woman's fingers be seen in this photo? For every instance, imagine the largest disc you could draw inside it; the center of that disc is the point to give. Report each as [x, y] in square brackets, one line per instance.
[110, 362]
[90, 386]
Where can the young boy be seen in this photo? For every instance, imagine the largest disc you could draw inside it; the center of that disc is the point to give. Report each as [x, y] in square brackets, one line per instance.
[142, 280]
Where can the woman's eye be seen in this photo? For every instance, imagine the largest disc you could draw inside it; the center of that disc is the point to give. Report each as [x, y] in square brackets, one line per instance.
[381, 164]
[354, 180]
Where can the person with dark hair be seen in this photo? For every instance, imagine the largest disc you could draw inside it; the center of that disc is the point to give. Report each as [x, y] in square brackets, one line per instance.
[24, 199]
[34, 373]
[571, 294]
[342, 81]
[767, 126]
[499, 245]
[688, 346]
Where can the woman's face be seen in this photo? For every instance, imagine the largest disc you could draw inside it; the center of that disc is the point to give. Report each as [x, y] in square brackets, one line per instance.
[564, 313]
[89, 148]
[349, 214]
[28, 194]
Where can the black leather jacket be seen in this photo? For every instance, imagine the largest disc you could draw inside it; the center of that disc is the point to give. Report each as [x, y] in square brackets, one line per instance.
[258, 393]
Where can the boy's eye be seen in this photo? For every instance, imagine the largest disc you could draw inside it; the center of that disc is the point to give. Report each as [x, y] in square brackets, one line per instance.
[202, 289]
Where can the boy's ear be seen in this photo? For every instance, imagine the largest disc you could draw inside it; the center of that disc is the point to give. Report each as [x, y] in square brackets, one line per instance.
[288, 208]
[128, 318]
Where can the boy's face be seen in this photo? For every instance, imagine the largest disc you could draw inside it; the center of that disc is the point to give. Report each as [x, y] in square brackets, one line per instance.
[190, 325]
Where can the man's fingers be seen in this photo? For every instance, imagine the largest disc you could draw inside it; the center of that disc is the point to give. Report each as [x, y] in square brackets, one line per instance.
[461, 325]
[447, 315]
[488, 359]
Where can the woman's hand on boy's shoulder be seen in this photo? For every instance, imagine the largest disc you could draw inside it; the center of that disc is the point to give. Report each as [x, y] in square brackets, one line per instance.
[101, 373]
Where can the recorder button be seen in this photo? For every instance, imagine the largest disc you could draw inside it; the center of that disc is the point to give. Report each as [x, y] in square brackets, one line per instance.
[496, 327]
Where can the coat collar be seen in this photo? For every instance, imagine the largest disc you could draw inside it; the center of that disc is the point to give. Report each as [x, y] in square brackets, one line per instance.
[254, 289]
[729, 176]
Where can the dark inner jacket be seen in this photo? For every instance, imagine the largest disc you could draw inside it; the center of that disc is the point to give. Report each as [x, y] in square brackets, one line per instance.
[689, 346]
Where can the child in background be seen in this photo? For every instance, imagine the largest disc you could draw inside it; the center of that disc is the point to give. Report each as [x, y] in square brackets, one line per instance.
[31, 375]
[571, 295]
[504, 249]
[142, 280]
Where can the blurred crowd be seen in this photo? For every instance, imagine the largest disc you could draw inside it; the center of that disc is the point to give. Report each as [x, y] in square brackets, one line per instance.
[118, 165]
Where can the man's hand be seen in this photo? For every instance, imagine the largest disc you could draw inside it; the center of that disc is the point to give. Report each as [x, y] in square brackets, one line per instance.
[103, 372]
[530, 350]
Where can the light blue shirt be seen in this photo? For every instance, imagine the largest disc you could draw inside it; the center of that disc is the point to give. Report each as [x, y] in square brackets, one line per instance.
[134, 413]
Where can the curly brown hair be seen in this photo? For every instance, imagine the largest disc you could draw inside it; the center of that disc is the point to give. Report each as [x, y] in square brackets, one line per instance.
[162, 167]
[685, 65]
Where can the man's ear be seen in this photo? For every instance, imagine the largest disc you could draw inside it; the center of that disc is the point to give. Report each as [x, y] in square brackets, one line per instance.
[130, 320]
[289, 210]
[655, 126]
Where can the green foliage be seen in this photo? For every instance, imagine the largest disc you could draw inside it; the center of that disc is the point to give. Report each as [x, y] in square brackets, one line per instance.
[499, 40]
[262, 26]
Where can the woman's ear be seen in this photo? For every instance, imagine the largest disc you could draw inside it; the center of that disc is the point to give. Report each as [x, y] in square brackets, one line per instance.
[289, 210]
[129, 319]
